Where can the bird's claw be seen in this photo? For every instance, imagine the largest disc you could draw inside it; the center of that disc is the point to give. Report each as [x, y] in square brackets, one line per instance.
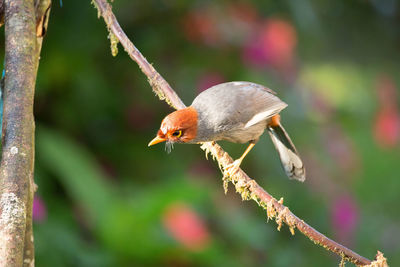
[232, 168]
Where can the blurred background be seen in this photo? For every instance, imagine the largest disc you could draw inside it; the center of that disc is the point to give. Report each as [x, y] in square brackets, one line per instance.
[106, 199]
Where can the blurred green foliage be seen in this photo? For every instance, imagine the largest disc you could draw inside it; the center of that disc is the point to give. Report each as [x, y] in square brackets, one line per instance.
[106, 199]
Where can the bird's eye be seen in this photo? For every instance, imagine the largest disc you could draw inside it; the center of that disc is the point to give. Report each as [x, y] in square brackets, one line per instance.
[177, 133]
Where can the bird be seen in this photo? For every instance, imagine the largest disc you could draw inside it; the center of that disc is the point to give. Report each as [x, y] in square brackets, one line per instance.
[237, 112]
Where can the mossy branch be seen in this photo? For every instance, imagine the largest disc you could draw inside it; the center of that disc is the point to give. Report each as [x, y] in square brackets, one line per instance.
[247, 187]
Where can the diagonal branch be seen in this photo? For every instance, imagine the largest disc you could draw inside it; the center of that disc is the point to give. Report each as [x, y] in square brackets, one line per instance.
[247, 187]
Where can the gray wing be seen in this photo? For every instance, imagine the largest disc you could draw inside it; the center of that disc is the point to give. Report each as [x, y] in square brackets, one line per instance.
[242, 104]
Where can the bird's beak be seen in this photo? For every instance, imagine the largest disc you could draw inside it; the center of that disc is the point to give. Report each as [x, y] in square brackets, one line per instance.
[157, 140]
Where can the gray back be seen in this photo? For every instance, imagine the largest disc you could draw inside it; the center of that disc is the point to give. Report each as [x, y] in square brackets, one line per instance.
[234, 107]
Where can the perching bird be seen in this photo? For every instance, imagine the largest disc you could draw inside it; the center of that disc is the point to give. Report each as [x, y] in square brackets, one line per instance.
[238, 112]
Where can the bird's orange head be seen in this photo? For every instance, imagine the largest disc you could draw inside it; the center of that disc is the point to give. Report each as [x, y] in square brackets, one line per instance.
[178, 127]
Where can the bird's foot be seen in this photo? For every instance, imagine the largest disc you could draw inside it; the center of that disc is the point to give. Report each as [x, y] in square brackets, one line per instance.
[233, 168]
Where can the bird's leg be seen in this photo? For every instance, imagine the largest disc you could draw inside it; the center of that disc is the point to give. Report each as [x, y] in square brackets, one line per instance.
[234, 167]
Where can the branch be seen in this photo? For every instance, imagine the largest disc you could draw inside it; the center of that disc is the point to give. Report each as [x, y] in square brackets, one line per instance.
[42, 17]
[22, 49]
[247, 187]
[18, 131]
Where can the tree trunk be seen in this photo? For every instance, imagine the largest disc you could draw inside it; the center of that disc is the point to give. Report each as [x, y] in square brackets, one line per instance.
[22, 48]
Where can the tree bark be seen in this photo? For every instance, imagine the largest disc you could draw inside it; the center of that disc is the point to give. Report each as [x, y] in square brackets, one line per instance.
[22, 48]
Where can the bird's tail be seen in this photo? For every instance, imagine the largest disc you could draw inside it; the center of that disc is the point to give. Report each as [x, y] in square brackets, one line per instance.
[290, 158]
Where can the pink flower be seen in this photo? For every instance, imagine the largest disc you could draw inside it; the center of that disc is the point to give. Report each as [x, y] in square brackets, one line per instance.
[386, 127]
[219, 26]
[279, 41]
[186, 226]
[253, 53]
[273, 44]
[39, 212]
[344, 214]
